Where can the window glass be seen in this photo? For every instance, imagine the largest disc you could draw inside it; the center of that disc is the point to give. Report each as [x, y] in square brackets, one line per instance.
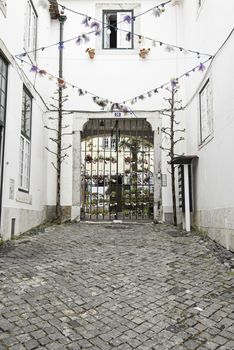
[206, 118]
[25, 141]
[24, 163]
[122, 37]
[26, 114]
[3, 87]
[31, 28]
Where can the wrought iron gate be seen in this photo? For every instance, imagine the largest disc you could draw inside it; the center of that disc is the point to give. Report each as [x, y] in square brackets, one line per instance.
[117, 170]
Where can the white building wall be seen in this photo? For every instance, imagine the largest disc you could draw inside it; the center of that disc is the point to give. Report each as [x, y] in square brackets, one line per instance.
[213, 175]
[118, 74]
[28, 209]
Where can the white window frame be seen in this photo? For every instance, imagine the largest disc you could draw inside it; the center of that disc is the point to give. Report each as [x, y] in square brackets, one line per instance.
[25, 150]
[205, 113]
[30, 39]
[105, 142]
[121, 42]
[24, 173]
[120, 6]
[3, 6]
[109, 143]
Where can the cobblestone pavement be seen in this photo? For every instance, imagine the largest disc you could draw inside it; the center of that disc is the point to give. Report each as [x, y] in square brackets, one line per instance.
[106, 286]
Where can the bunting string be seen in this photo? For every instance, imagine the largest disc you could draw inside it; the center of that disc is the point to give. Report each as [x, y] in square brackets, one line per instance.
[95, 25]
[106, 103]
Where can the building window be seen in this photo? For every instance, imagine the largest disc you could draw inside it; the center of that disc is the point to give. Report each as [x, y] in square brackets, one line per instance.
[3, 99]
[3, 90]
[121, 38]
[25, 141]
[31, 28]
[206, 117]
[109, 143]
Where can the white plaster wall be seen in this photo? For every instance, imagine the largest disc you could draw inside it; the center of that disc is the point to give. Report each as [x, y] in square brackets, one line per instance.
[122, 74]
[27, 208]
[214, 192]
[118, 75]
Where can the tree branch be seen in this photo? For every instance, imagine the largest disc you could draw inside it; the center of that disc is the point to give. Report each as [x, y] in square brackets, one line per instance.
[65, 148]
[49, 128]
[51, 151]
[68, 133]
[54, 166]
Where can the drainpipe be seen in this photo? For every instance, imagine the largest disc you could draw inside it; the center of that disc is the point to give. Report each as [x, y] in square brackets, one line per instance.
[62, 19]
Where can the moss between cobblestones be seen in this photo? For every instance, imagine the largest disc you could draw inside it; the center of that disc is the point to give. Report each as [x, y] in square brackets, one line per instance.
[230, 273]
[35, 230]
[199, 231]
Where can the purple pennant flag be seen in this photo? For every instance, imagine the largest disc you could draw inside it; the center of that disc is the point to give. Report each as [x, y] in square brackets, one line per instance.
[79, 40]
[61, 45]
[129, 36]
[95, 25]
[174, 83]
[127, 19]
[34, 69]
[201, 67]
[86, 21]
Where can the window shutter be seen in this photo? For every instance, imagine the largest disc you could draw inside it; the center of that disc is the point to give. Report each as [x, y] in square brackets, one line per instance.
[203, 115]
[206, 111]
[209, 109]
[106, 36]
[125, 28]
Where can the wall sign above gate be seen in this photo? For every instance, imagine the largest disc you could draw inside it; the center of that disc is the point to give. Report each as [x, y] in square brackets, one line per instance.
[117, 114]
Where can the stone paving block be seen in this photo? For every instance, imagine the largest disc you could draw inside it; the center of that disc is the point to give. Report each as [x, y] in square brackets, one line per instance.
[16, 347]
[31, 344]
[85, 286]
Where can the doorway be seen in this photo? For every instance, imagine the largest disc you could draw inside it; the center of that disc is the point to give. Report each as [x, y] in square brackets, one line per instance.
[117, 181]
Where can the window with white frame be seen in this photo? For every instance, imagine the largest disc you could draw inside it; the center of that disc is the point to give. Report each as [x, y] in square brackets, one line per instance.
[206, 115]
[109, 142]
[3, 100]
[30, 28]
[3, 89]
[117, 29]
[25, 141]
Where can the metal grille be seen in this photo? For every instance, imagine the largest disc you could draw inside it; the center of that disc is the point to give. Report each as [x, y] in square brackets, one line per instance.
[117, 170]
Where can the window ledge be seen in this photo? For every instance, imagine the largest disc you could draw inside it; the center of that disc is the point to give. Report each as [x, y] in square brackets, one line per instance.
[206, 141]
[23, 197]
[121, 52]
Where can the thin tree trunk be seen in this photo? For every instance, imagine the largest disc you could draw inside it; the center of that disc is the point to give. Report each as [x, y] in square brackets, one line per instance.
[59, 154]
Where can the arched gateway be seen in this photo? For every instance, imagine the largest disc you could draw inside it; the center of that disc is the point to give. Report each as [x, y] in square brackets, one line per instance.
[116, 169]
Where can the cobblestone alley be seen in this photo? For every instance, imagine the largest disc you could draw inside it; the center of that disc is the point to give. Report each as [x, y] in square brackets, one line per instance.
[81, 286]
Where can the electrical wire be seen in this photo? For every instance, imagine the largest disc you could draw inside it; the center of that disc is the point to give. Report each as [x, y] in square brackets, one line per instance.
[154, 41]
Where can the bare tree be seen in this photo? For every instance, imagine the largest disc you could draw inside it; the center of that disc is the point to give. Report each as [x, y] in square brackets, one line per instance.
[58, 132]
[171, 133]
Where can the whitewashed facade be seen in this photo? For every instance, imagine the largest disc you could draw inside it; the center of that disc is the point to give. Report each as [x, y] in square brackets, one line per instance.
[208, 115]
[23, 157]
[118, 73]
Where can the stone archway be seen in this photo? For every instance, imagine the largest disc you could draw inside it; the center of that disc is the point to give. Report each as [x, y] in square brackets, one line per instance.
[80, 123]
